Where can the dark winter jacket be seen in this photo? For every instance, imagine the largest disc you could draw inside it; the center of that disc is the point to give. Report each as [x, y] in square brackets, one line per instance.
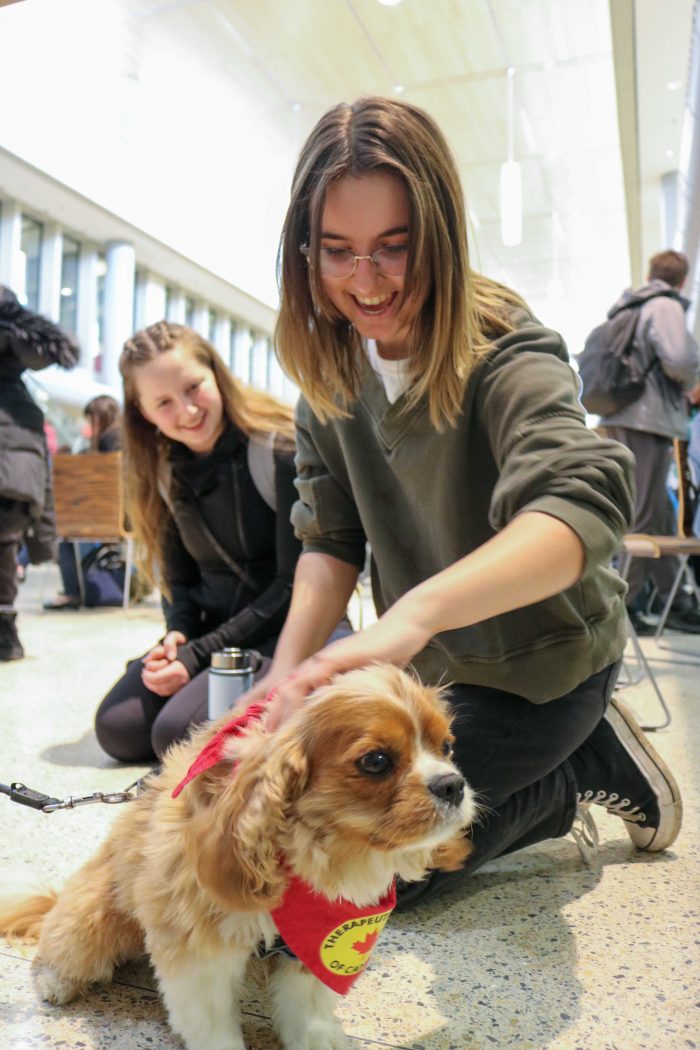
[27, 341]
[230, 558]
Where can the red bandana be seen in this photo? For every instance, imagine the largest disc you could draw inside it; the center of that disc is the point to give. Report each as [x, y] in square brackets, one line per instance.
[333, 939]
[213, 752]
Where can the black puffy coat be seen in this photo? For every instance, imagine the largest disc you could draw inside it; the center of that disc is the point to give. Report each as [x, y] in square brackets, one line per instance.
[27, 340]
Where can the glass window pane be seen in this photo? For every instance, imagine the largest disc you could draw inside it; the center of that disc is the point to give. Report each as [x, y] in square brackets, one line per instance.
[70, 257]
[30, 248]
[189, 312]
[101, 282]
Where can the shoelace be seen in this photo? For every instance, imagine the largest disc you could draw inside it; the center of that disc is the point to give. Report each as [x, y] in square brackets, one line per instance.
[585, 834]
[614, 804]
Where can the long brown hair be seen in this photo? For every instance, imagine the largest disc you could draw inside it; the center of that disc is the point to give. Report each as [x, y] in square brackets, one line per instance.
[105, 415]
[460, 311]
[146, 449]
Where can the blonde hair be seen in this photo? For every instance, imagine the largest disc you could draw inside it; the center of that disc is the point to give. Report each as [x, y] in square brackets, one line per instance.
[146, 449]
[460, 312]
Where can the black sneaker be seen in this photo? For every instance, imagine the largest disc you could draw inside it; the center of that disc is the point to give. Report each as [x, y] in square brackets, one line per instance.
[685, 620]
[684, 614]
[632, 780]
[10, 645]
[643, 623]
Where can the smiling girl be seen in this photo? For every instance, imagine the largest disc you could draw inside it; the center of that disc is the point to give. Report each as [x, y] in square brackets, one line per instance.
[223, 556]
[440, 424]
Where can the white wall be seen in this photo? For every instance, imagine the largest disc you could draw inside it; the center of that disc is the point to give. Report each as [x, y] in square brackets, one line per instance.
[136, 116]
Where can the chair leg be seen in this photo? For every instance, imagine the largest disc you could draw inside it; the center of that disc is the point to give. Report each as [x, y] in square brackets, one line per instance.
[691, 581]
[644, 663]
[127, 571]
[683, 559]
[79, 571]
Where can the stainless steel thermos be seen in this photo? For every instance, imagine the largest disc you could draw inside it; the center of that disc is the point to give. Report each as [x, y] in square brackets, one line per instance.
[230, 675]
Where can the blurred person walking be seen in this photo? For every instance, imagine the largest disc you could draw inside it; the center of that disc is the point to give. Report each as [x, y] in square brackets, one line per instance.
[648, 426]
[27, 341]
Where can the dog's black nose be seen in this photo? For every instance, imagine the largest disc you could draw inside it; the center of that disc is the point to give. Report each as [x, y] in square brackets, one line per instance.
[449, 786]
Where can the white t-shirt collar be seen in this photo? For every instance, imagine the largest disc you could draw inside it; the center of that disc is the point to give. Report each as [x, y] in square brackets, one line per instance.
[393, 374]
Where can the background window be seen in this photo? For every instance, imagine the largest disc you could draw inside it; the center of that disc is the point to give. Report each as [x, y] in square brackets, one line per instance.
[30, 249]
[70, 256]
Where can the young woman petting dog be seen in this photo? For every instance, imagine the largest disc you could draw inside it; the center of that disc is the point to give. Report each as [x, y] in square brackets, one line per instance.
[224, 557]
[440, 422]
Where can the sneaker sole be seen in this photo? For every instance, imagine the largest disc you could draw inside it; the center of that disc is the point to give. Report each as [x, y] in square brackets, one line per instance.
[652, 765]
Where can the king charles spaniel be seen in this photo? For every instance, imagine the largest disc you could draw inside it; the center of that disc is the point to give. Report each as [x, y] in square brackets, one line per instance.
[247, 834]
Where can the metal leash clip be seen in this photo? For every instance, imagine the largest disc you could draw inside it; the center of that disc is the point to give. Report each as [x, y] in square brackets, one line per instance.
[48, 804]
[73, 801]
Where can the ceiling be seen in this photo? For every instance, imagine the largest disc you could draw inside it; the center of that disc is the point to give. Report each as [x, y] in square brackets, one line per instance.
[591, 183]
[596, 125]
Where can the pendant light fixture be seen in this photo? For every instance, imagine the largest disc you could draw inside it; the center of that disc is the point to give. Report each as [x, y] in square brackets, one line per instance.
[511, 181]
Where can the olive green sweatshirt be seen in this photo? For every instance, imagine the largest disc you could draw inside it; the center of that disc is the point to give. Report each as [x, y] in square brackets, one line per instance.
[424, 499]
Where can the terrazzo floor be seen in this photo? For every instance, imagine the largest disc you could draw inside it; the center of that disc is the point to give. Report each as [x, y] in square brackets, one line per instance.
[543, 952]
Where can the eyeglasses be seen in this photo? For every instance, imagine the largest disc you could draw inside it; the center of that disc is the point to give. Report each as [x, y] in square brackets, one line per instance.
[389, 261]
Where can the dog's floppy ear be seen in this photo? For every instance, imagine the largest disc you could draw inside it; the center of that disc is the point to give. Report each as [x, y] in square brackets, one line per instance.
[236, 841]
[451, 855]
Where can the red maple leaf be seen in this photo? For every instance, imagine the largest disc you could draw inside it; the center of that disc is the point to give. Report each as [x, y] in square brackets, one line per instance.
[366, 946]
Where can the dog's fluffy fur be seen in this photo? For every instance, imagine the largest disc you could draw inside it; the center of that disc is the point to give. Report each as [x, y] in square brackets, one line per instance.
[191, 880]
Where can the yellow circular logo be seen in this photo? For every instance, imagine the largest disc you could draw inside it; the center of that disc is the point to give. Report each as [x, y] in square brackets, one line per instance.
[347, 948]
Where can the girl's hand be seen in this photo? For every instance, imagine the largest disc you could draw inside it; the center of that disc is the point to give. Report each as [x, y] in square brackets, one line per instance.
[389, 640]
[167, 649]
[165, 677]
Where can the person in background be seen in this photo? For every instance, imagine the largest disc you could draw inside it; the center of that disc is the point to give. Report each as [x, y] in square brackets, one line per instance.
[440, 422]
[648, 426]
[694, 464]
[103, 417]
[198, 447]
[23, 554]
[27, 341]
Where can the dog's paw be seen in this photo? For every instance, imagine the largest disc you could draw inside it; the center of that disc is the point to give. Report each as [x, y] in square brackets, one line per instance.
[53, 987]
[319, 1035]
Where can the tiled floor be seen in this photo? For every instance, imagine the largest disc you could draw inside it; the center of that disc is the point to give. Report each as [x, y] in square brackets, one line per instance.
[543, 952]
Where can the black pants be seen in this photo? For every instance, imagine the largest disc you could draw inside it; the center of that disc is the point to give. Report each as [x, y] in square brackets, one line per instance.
[14, 521]
[653, 512]
[522, 761]
[134, 724]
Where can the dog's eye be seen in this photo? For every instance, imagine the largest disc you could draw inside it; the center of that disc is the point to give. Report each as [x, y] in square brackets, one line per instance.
[375, 763]
[447, 747]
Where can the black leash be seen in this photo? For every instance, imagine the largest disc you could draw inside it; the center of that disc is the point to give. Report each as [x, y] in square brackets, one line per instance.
[27, 796]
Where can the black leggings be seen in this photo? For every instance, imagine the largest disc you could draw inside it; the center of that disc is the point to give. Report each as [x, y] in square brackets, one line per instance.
[134, 724]
[524, 761]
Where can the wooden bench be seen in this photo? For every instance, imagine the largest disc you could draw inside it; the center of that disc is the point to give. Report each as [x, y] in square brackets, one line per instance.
[88, 492]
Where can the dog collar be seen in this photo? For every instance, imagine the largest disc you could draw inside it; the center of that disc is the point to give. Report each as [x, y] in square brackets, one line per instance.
[213, 752]
[333, 939]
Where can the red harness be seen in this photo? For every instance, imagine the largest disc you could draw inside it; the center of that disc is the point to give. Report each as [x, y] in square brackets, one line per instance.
[334, 939]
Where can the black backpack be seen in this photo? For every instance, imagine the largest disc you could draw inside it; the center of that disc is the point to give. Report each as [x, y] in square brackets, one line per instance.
[612, 374]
